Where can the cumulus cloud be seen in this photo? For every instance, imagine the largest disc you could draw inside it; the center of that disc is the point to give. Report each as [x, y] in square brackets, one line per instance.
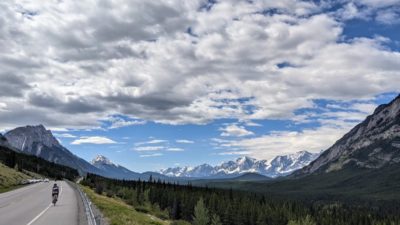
[389, 16]
[181, 62]
[234, 130]
[283, 142]
[93, 140]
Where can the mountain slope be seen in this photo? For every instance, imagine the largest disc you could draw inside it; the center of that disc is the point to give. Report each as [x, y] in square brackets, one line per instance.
[36, 140]
[279, 166]
[373, 143]
[10, 178]
[251, 177]
[112, 170]
[347, 184]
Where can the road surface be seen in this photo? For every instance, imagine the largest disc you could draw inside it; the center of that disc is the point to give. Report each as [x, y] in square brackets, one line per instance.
[31, 205]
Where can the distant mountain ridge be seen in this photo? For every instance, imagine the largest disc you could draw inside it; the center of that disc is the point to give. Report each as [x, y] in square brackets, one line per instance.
[278, 166]
[372, 144]
[119, 172]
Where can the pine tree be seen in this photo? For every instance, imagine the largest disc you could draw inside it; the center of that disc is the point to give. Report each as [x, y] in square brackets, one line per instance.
[215, 220]
[304, 221]
[201, 216]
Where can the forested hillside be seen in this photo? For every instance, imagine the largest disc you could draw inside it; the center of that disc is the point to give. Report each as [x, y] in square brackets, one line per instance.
[21, 161]
[218, 206]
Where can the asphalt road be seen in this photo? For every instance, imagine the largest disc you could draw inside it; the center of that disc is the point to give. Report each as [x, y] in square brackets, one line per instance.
[31, 205]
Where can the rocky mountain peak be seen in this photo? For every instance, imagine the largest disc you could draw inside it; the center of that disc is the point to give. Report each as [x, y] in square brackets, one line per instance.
[100, 159]
[245, 160]
[24, 138]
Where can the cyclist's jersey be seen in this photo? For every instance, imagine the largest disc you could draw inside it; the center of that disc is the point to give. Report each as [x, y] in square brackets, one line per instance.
[55, 191]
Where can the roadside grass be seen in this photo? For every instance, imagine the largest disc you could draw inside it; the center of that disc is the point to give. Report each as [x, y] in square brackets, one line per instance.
[10, 178]
[118, 212]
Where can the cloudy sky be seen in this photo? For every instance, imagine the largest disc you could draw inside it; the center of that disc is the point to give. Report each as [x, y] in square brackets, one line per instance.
[153, 84]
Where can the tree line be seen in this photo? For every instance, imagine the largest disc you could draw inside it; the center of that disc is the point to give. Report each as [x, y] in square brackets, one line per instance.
[21, 161]
[210, 206]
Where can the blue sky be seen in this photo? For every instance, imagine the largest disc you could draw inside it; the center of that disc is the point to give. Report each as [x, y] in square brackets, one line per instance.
[152, 85]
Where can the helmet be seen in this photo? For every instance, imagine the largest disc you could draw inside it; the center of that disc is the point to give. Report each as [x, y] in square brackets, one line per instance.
[55, 185]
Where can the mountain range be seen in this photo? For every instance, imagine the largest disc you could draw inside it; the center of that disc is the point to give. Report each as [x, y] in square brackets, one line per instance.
[38, 141]
[278, 166]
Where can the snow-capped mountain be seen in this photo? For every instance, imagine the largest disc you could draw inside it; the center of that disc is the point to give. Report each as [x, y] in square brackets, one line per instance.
[112, 170]
[101, 160]
[278, 166]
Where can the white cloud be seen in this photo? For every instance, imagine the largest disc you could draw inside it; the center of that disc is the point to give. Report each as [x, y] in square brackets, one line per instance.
[149, 148]
[153, 141]
[235, 153]
[234, 130]
[156, 141]
[3, 106]
[93, 140]
[334, 121]
[252, 124]
[366, 108]
[117, 122]
[151, 155]
[284, 142]
[184, 141]
[65, 135]
[84, 62]
[175, 149]
[388, 16]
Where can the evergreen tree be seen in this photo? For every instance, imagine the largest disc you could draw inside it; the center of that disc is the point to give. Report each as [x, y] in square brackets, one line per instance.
[201, 216]
[215, 220]
[304, 221]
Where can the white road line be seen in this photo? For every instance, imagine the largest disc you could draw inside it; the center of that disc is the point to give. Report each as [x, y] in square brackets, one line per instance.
[40, 214]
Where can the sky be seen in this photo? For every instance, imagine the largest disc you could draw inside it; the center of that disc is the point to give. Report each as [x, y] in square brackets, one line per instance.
[157, 84]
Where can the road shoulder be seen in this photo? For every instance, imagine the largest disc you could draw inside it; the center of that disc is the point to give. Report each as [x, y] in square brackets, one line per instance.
[82, 219]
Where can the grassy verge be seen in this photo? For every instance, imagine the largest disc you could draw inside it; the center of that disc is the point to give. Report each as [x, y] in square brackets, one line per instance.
[10, 179]
[119, 212]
